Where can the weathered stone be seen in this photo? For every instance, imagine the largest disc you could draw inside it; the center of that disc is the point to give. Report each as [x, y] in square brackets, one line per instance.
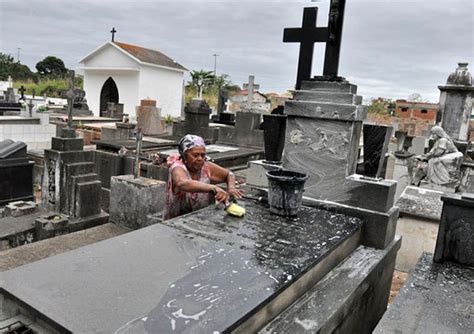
[133, 199]
[20, 208]
[87, 199]
[67, 144]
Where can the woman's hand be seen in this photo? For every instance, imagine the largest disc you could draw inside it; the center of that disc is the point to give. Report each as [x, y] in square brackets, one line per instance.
[236, 193]
[221, 195]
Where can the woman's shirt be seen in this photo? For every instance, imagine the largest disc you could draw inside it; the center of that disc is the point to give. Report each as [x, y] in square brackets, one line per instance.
[183, 202]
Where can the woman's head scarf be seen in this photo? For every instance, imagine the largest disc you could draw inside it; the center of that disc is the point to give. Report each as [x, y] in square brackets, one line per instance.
[188, 142]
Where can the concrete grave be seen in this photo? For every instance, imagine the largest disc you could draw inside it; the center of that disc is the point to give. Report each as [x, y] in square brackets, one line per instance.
[246, 132]
[149, 118]
[133, 199]
[196, 122]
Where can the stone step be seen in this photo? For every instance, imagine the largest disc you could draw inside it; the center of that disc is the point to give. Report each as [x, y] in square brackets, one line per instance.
[329, 86]
[79, 168]
[72, 182]
[326, 110]
[87, 199]
[324, 96]
[351, 298]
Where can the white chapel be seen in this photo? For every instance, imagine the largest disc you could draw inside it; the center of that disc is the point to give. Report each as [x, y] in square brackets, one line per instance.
[125, 73]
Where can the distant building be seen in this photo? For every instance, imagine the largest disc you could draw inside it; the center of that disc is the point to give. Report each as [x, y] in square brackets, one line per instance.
[125, 73]
[278, 99]
[260, 102]
[416, 118]
[420, 110]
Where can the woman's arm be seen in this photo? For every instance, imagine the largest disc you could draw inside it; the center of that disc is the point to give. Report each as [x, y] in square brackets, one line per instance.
[219, 175]
[181, 182]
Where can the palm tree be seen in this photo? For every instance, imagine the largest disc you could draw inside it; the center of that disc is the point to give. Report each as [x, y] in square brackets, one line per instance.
[201, 79]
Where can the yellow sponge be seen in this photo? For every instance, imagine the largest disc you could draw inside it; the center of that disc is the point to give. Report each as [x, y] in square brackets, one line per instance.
[235, 210]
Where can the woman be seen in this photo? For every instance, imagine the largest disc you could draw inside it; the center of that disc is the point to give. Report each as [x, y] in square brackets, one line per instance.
[191, 177]
[443, 159]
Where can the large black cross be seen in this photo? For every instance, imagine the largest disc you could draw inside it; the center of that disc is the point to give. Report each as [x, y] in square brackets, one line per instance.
[22, 92]
[309, 34]
[113, 31]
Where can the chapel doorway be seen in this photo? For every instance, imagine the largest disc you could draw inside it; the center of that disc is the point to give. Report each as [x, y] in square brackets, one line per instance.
[109, 93]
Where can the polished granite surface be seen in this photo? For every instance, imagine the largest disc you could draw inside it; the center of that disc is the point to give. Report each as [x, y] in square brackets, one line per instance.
[200, 273]
[436, 298]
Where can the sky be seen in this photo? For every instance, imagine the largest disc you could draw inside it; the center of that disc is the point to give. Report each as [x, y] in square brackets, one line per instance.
[390, 48]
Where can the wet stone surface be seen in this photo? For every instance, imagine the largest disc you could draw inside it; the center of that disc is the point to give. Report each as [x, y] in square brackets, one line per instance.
[199, 273]
[436, 298]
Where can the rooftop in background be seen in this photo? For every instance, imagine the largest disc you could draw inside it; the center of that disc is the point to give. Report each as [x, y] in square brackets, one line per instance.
[141, 55]
[150, 56]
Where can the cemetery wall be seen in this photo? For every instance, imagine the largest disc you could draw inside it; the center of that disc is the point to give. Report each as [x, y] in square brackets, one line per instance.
[163, 85]
[35, 136]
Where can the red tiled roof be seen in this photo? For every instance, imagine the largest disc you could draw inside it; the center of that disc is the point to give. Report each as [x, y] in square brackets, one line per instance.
[150, 56]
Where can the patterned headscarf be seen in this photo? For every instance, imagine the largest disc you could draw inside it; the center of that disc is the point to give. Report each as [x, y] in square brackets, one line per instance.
[188, 142]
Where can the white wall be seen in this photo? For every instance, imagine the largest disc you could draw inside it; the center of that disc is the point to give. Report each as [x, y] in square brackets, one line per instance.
[134, 82]
[163, 85]
[127, 84]
[110, 56]
[36, 136]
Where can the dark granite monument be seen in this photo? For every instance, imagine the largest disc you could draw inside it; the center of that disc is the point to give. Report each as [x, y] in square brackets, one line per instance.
[246, 131]
[16, 173]
[455, 103]
[376, 139]
[438, 296]
[196, 121]
[455, 242]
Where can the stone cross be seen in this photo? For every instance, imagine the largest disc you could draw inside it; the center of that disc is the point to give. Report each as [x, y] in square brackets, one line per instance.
[69, 132]
[10, 81]
[113, 31]
[250, 87]
[22, 92]
[139, 140]
[309, 34]
[111, 109]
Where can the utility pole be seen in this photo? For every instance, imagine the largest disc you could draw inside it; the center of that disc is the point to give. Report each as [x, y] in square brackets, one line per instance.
[18, 55]
[215, 66]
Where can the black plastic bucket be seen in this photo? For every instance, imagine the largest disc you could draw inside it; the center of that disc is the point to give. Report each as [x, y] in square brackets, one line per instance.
[285, 191]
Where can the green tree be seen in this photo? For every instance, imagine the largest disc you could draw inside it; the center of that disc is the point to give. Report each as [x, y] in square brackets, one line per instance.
[18, 71]
[380, 106]
[200, 80]
[51, 67]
